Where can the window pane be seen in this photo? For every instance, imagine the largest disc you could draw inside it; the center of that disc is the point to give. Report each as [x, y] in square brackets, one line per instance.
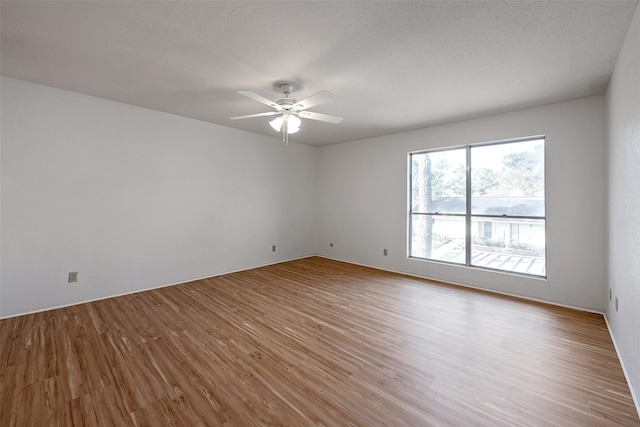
[438, 182]
[508, 179]
[516, 245]
[438, 237]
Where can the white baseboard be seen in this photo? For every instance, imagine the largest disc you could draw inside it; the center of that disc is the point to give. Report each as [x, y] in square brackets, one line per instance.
[634, 395]
[464, 285]
[148, 288]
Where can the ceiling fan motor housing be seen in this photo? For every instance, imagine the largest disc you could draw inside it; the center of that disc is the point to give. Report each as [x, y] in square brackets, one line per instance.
[285, 103]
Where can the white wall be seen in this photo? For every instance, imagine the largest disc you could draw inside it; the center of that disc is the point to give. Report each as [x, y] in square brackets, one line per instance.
[133, 198]
[362, 200]
[623, 98]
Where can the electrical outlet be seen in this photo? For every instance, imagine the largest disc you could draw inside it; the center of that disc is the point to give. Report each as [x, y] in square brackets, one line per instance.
[616, 303]
[73, 276]
[273, 248]
[384, 252]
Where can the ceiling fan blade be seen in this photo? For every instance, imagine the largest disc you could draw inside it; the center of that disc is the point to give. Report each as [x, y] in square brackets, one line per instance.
[316, 99]
[259, 98]
[319, 116]
[248, 116]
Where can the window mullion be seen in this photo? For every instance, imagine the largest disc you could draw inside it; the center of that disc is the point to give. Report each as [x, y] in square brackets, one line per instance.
[468, 210]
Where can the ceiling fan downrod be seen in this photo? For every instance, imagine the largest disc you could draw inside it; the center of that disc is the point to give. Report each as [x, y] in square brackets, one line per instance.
[286, 89]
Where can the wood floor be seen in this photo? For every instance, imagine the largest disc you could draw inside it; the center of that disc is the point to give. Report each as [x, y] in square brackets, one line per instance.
[311, 342]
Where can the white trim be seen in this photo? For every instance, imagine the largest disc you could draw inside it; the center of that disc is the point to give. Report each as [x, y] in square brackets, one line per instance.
[634, 396]
[587, 310]
[302, 257]
[149, 288]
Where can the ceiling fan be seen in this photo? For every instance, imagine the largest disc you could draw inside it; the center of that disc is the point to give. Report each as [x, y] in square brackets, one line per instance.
[289, 111]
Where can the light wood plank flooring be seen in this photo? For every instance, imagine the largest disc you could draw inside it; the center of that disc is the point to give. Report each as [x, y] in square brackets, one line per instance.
[311, 342]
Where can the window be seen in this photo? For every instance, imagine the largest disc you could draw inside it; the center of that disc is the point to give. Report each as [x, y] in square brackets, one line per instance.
[480, 205]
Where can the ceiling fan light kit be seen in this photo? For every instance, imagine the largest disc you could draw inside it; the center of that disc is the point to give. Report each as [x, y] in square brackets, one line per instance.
[289, 111]
[292, 122]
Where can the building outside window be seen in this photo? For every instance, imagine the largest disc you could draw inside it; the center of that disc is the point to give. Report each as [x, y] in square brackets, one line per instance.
[480, 206]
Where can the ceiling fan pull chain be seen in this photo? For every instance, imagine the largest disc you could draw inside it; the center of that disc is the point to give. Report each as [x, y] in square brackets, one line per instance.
[285, 133]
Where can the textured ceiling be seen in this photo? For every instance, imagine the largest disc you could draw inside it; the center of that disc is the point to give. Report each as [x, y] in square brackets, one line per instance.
[393, 66]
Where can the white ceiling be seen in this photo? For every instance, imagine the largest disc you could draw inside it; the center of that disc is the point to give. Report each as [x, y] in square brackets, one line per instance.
[393, 66]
